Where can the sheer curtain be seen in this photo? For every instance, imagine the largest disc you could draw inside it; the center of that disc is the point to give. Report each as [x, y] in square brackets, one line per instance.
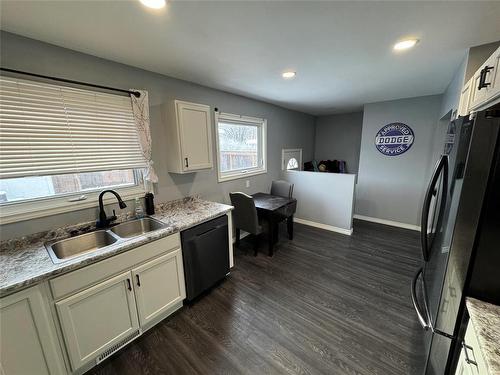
[140, 108]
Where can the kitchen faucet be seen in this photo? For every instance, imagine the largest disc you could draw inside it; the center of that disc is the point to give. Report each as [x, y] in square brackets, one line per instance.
[105, 221]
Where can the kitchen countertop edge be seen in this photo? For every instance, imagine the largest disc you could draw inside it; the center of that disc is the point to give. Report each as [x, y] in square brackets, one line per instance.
[485, 318]
[168, 213]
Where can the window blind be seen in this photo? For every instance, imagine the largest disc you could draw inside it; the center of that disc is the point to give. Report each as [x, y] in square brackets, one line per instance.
[49, 129]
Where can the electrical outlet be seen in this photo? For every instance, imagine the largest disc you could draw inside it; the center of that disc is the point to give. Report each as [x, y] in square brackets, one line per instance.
[247, 183]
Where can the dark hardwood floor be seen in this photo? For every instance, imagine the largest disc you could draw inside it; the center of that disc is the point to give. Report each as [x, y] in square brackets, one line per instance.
[326, 303]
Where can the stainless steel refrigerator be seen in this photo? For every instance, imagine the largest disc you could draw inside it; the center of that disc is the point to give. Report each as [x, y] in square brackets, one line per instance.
[460, 236]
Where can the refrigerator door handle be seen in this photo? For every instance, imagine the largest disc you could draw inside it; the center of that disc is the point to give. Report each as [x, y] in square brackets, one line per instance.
[441, 166]
[423, 315]
[420, 315]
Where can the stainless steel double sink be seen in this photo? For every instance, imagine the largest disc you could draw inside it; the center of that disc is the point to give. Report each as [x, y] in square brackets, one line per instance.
[69, 248]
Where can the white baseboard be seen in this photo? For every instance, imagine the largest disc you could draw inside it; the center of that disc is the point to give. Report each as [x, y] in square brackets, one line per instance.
[323, 226]
[388, 222]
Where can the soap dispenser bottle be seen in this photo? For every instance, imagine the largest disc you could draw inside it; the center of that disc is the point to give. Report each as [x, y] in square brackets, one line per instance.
[150, 203]
[139, 210]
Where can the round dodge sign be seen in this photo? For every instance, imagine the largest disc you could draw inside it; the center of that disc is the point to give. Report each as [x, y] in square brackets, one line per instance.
[394, 139]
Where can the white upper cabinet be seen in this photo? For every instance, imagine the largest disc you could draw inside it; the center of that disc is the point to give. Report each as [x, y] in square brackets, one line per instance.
[463, 106]
[189, 136]
[486, 83]
[28, 341]
[496, 74]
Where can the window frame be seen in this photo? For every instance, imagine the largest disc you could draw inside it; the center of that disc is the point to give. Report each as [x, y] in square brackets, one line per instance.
[284, 166]
[52, 205]
[46, 206]
[243, 120]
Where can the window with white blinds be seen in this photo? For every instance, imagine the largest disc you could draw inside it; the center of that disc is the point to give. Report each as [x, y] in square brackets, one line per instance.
[48, 130]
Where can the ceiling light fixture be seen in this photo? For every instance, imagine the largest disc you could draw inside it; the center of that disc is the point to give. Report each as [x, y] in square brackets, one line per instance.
[154, 4]
[405, 44]
[289, 75]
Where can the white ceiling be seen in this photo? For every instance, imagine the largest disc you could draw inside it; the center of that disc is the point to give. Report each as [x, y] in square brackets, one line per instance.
[342, 51]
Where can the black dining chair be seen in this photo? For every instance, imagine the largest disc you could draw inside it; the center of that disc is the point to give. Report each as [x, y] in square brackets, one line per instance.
[245, 218]
[282, 188]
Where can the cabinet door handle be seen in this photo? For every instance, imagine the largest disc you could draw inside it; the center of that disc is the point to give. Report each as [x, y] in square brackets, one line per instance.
[129, 285]
[138, 280]
[482, 77]
[186, 160]
[467, 359]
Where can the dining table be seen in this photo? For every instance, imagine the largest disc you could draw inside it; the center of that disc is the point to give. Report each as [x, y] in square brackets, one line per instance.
[274, 209]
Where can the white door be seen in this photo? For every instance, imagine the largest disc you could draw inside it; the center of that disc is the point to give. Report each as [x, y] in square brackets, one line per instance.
[195, 126]
[159, 284]
[28, 342]
[98, 318]
[291, 159]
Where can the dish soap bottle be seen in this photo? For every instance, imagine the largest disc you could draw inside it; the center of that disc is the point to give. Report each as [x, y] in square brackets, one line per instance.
[150, 203]
[139, 211]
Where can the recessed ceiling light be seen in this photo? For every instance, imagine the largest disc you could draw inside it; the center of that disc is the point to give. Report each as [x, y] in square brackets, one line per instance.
[288, 75]
[155, 4]
[405, 44]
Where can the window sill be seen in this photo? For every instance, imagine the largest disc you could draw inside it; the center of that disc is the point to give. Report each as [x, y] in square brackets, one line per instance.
[240, 175]
[47, 207]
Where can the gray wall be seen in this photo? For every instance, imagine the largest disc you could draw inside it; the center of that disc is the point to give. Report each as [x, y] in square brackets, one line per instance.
[339, 137]
[392, 188]
[451, 96]
[477, 56]
[286, 128]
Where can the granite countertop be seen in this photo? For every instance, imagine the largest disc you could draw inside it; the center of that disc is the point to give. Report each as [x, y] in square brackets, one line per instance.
[26, 262]
[485, 319]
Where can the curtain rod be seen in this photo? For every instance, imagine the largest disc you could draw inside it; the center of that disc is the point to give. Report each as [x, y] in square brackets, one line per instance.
[136, 93]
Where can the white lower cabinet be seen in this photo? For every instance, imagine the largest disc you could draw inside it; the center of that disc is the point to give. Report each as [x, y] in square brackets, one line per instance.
[463, 367]
[28, 341]
[104, 306]
[159, 285]
[471, 361]
[98, 318]
[74, 321]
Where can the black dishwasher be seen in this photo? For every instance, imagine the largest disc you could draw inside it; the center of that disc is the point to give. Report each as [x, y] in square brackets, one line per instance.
[205, 251]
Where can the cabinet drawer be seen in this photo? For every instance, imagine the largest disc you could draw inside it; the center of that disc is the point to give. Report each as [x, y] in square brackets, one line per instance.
[74, 281]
